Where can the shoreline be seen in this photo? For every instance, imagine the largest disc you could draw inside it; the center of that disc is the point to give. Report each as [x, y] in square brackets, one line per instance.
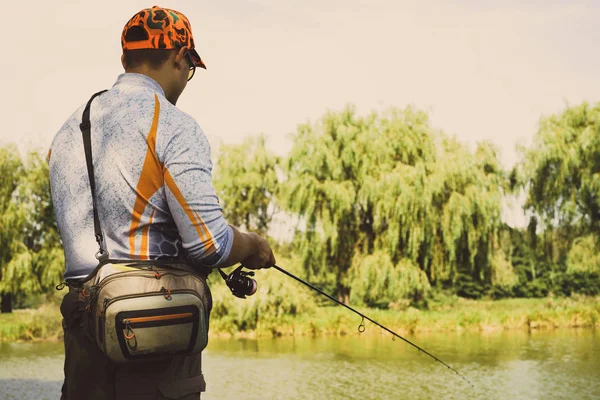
[485, 316]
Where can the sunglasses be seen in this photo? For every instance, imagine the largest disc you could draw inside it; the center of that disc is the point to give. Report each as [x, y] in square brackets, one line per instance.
[192, 70]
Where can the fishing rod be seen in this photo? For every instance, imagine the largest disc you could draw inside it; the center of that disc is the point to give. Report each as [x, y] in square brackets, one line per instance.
[361, 327]
[242, 285]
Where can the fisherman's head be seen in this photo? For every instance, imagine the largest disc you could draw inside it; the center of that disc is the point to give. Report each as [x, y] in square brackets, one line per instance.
[158, 42]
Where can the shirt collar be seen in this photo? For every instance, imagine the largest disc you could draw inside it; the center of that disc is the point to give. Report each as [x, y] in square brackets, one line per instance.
[133, 79]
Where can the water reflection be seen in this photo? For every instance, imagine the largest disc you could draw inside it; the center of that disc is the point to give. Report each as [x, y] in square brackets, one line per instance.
[562, 364]
[505, 365]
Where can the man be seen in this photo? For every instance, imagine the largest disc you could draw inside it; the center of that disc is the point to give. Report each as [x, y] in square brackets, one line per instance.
[154, 195]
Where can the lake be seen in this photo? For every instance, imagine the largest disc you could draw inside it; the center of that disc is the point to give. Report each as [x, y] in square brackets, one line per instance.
[556, 364]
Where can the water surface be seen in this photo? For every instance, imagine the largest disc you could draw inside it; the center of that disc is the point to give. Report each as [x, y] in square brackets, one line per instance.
[558, 364]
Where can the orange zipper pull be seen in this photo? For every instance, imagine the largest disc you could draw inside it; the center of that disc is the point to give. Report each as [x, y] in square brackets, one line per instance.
[129, 334]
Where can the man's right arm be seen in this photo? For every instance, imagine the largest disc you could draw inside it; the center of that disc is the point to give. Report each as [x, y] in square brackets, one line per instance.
[193, 203]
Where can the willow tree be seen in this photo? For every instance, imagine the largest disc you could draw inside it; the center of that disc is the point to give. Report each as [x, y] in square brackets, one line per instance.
[246, 183]
[40, 232]
[379, 282]
[584, 255]
[390, 183]
[560, 174]
[30, 254]
[12, 218]
[436, 203]
[561, 171]
[325, 173]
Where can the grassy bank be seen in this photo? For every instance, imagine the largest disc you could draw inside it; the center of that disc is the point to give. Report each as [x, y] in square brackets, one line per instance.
[43, 323]
[453, 315]
[461, 315]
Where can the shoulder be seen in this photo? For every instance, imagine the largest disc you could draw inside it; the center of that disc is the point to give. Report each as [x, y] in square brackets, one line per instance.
[64, 136]
[176, 120]
[179, 129]
[74, 120]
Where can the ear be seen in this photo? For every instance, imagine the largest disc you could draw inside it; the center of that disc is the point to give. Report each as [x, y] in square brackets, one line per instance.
[180, 60]
[123, 62]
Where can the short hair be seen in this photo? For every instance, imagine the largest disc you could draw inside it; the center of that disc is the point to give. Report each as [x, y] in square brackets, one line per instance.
[155, 58]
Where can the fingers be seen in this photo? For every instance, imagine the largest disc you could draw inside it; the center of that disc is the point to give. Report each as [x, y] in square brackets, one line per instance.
[262, 258]
[271, 260]
[261, 261]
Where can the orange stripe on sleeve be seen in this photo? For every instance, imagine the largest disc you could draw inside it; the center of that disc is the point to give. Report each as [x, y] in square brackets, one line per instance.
[197, 222]
[210, 247]
[151, 179]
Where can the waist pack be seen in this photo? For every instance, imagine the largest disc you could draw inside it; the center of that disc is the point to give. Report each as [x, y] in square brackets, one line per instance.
[140, 310]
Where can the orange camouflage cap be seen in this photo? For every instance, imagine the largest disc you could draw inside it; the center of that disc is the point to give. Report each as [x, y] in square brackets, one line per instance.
[164, 29]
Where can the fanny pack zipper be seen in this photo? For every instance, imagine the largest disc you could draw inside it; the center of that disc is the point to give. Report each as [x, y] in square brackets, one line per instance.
[156, 318]
[130, 323]
[154, 275]
[108, 302]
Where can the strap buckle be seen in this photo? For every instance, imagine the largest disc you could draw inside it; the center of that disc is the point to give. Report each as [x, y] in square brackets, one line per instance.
[102, 255]
[85, 125]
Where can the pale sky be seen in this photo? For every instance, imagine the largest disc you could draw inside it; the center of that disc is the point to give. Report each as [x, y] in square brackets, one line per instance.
[486, 70]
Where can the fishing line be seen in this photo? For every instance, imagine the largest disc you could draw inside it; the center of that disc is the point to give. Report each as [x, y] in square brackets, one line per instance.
[361, 327]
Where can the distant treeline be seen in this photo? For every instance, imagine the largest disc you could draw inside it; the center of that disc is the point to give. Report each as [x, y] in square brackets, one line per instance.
[386, 210]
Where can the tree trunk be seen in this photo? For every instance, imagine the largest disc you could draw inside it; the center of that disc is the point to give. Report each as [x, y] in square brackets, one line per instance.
[343, 293]
[6, 303]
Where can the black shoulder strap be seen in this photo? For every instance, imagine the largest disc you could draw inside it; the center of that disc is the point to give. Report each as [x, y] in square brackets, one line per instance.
[87, 145]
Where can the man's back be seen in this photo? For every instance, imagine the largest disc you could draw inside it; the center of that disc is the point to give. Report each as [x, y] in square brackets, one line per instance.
[155, 199]
[153, 181]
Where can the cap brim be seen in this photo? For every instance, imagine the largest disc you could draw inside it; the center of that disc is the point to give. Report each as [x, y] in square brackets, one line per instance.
[197, 60]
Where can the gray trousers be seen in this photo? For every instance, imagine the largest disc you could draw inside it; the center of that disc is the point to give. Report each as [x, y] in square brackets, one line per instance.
[90, 375]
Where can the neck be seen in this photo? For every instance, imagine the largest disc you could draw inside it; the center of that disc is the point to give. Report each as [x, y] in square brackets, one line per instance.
[160, 77]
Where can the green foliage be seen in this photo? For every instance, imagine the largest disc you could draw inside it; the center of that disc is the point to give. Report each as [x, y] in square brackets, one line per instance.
[378, 282]
[445, 314]
[579, 282]
[533, 289]
[44, 323]
[30, 256]
[277, 298]
[584, 255]
[390, 183]
[560, 174]
[503, 272]
[561, 171]
[469, 288]
[246, 182]
[12, 218]
[324, 176]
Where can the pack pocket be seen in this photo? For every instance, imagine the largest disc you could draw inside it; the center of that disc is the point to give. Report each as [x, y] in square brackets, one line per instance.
[153, 326]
